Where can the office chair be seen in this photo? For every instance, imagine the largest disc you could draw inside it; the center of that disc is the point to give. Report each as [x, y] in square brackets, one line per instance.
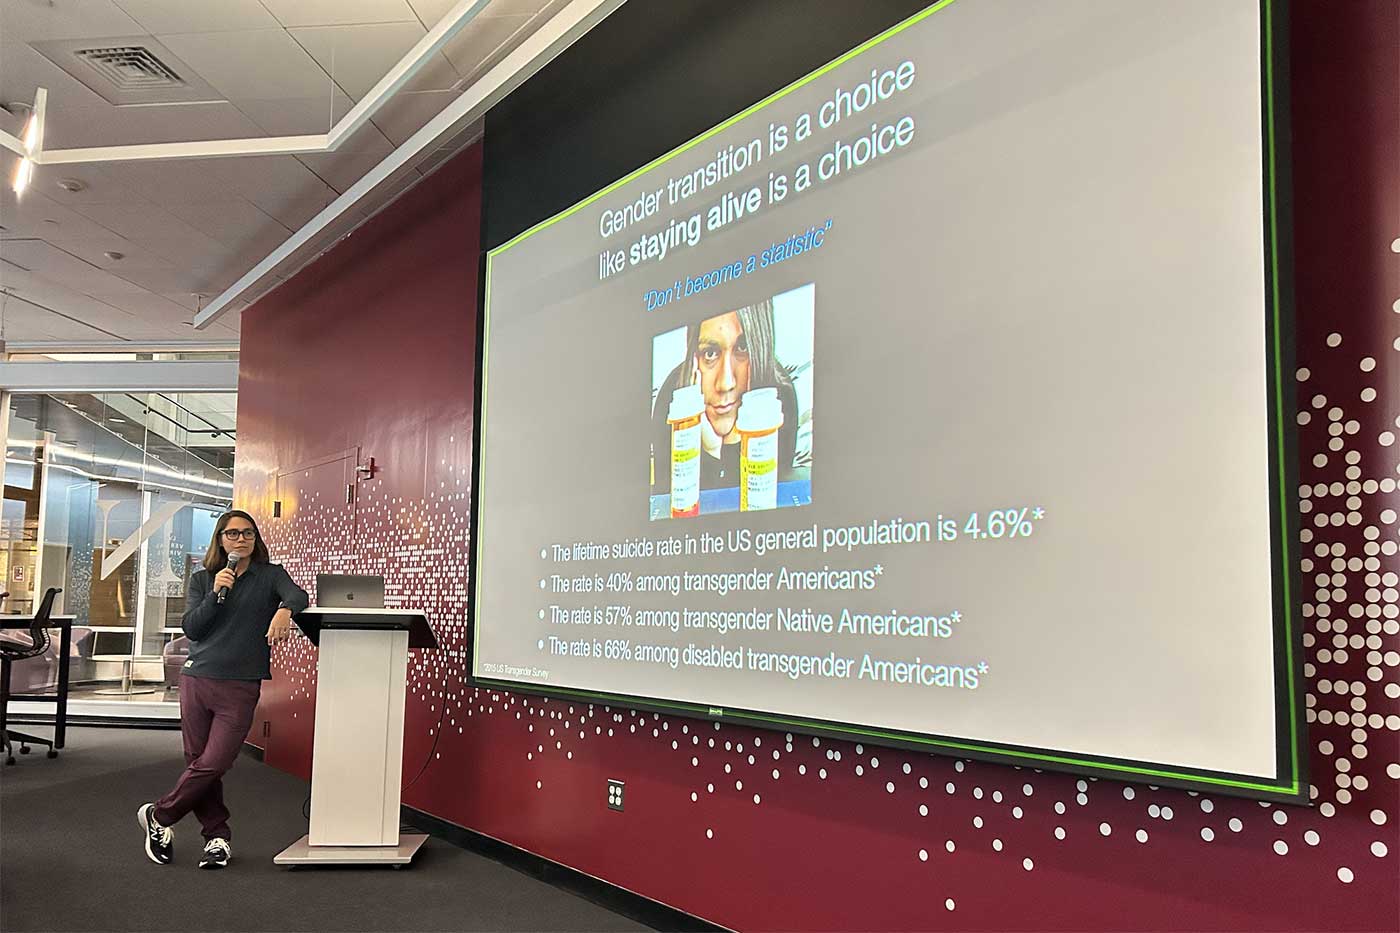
[11, 652]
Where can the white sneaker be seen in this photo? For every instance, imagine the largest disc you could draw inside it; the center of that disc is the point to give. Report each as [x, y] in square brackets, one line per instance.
[160, 840]
[216, 854]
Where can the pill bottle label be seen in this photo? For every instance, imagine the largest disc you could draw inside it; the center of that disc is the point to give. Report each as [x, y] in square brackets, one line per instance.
[685, 471]
[758, 473]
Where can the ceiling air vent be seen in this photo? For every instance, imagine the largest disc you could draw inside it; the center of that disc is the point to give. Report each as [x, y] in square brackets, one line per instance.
[131, 67]
[129, 70]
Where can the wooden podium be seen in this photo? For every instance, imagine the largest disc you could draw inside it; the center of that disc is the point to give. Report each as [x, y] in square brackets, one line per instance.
[357, 755]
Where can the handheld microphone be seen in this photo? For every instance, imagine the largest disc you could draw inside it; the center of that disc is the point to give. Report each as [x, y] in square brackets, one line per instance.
[233, 560]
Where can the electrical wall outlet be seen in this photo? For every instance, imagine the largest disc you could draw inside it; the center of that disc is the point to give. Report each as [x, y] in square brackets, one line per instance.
[614, 795]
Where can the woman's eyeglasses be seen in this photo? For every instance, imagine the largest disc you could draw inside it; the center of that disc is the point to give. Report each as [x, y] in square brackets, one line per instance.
[233, 534]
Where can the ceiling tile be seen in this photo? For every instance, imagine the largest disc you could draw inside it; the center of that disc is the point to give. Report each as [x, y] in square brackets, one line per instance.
[35, 215]
[26, 322]
[226, 327]
[22, 69]
[135, 221]
[90, 248]
[358, 57]
[56, 265]
[169, 181]
[404, 114]
[95, 313]
[98, 123]
[368, 140]
[524, 7]
[237, 224]
[483, 42]
[253, 64]
[157, 16]
[301, 116]
[348, 164]
[431, 11]
[96, 186]
[339, 12]
[175, 280]
[207, 279]
[94, 251]
[71, 19]
[269, 180]
[185, 300]
[296, 212]
[151, 307]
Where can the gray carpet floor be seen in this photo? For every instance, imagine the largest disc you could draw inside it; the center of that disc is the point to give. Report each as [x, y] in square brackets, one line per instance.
[71, 858]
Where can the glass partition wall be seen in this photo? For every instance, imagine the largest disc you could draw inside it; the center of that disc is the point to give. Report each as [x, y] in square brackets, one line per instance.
[112, 499]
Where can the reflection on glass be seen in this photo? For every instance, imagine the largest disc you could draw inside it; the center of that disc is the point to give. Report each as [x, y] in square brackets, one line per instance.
[113, 498]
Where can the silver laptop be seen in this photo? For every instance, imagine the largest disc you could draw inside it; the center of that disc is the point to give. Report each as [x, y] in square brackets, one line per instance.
[349, 591]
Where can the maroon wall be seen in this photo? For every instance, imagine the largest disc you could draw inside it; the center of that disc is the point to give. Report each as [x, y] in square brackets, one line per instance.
[372, 348]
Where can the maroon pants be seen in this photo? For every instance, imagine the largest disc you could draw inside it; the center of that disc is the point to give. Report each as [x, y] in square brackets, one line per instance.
[215, 716]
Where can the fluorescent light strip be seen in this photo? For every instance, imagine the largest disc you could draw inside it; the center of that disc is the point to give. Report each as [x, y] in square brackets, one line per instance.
[65, 468]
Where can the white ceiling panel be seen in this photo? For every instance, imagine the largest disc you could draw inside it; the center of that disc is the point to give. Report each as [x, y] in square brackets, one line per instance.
[96, 186]
[430, 11]
[482, 42]
[184, 300]
[29, 322]
[97, 123]
[237, 224]
[300, 116]
[175, 280]
[367, 140]
[524, 7]
[94, 252]
[13, 277]
[35, 215]
[165, 16]
[252, 64]
[92, 312]
[22, 69]
[37, 20]
[226, 328]
[269, 181]
[348, 164]
[339, 12]
[266, 177]
[135, 221]
[405, 114]
[193, 227]
[357, 57]
[93, 249]
[56, 265]
[155, 308]
[295, 212]
[200, 254]
[171, 181]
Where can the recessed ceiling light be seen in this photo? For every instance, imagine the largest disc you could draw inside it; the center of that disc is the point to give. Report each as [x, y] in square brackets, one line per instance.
[114, 255]
[71, 185]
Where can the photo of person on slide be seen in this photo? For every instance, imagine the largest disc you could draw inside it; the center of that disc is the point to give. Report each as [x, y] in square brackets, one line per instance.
[725, 357]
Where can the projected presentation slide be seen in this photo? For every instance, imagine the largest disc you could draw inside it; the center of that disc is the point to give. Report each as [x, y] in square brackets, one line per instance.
[929, 397]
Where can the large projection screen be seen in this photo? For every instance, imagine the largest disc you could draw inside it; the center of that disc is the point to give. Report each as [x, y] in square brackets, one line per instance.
[934, 400]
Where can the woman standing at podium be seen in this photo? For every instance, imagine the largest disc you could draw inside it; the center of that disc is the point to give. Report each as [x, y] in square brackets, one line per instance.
[237, 607]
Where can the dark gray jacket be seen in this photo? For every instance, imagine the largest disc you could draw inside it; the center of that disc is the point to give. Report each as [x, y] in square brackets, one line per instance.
[230, 640]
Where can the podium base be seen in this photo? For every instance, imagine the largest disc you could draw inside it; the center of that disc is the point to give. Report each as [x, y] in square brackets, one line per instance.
[302, 852]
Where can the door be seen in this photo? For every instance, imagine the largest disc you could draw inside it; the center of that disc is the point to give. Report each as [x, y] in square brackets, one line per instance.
[312, 531]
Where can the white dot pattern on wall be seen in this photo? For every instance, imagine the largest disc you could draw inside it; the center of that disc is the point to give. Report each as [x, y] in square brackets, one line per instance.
[1351, 653]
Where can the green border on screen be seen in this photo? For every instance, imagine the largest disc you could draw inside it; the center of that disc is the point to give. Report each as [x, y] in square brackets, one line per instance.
[1286, 788]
